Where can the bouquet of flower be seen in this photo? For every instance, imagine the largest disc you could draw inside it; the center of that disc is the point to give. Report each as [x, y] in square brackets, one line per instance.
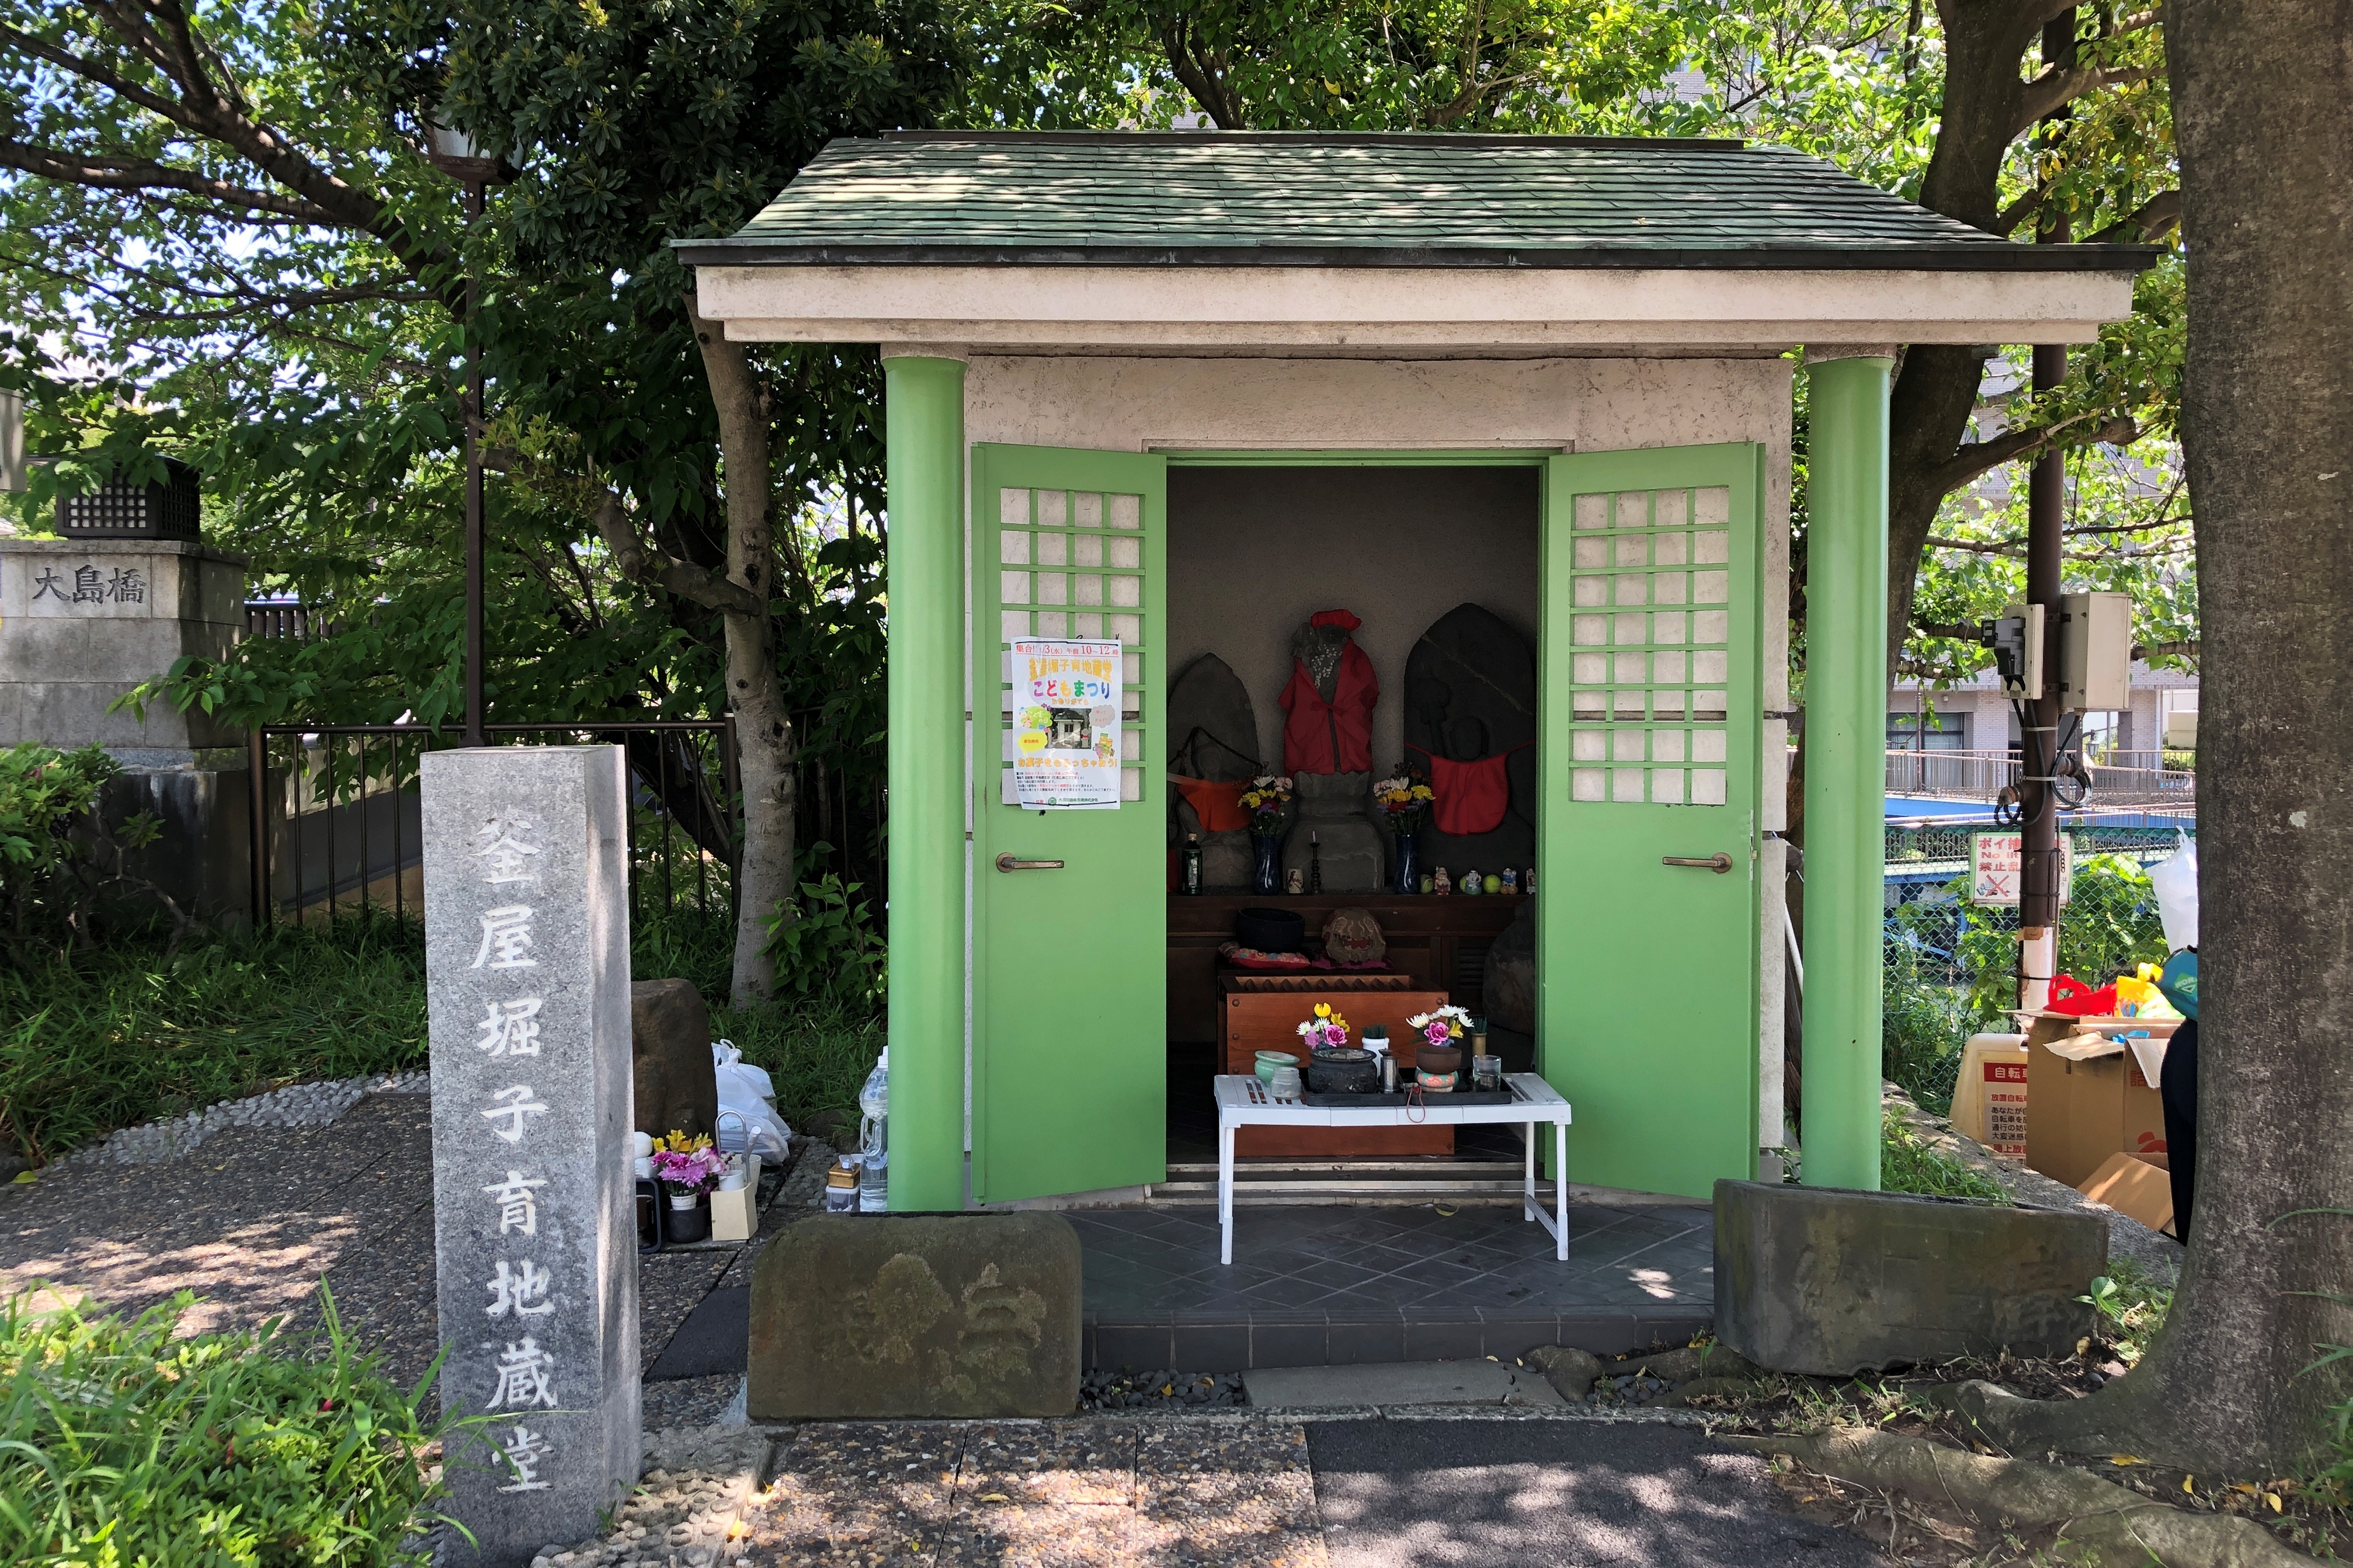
[686, 1166]
[1443, 1025]
[1266, 800]
[1405, 799]
[1327, 1031]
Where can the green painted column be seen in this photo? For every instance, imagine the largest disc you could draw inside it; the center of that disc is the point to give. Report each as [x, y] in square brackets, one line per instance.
[923, 432]
[1846, 766]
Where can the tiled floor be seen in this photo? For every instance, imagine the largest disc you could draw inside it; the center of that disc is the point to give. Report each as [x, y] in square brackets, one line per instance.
[1316, 1285]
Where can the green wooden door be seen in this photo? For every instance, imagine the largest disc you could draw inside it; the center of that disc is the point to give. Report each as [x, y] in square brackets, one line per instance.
[1647, 971]
[1070, 965]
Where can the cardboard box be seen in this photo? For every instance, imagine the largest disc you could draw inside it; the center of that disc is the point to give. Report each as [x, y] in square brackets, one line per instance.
[2140, 1186]
[1989, 1094]
[2078, 1112]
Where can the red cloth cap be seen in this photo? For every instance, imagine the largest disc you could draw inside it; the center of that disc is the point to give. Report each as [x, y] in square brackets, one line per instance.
[1340, 618]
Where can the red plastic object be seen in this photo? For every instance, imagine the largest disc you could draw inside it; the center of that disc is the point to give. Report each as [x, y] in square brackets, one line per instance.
[2071, 998]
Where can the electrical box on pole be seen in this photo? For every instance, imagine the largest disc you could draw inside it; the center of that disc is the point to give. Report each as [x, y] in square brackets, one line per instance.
[2016, 643]
[2094, 652]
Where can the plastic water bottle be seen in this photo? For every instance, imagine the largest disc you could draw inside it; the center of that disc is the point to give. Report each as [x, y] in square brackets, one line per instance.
[874, 1139]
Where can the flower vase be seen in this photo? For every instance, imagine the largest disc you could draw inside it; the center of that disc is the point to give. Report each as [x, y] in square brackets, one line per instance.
[1266, 850]
[689, 1217]
[1408, 863]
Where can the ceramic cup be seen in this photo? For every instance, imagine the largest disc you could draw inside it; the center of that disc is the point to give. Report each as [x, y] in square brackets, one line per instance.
[1284, 1085]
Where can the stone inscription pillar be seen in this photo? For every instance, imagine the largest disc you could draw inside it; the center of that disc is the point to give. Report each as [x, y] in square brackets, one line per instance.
[527, 976]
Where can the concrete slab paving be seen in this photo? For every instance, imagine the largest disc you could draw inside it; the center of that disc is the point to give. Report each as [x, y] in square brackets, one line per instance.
[1397, 1382]
[1555, 1494]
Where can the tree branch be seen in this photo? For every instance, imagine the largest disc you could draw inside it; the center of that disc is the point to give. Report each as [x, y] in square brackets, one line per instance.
[1958, 631]
[2147, 223]
[89, 70]
[2062, 85]
[108, 173]
[2012, 445]
[1201, 76]
[2185, 647]
[2025, 207]
[631, 559]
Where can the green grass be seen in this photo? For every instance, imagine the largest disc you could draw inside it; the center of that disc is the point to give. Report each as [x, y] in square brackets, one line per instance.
[125, 1444]
[128, 1033]
[1908, 1166]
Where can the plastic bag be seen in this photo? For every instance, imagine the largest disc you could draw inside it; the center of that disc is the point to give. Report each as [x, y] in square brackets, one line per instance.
[2175, 879]
[746, 1111]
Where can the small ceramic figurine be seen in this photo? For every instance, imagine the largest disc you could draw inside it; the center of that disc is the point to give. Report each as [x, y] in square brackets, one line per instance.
[1470, 883]
[1528, 882]
[1440, 882]
[1426, 883]
[1511, 880]
[1298, 883]
[1493, 884]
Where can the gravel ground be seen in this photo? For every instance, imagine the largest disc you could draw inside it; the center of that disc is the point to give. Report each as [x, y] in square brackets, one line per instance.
[1159, 1390]
[296, 1105]
[333, 1181]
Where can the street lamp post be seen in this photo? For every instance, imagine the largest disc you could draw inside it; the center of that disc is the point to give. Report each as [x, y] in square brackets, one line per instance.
[456, 154]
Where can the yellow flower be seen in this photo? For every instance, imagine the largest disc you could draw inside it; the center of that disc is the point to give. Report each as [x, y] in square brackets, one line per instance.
[1322, 1009]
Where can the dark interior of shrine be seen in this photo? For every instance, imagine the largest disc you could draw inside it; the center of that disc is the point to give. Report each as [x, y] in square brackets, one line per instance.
[1437, 568]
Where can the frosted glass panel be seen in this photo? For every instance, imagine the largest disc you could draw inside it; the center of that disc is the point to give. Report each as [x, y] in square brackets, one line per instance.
[1662, 550]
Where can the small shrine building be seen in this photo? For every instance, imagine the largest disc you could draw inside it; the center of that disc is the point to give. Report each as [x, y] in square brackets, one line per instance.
[1522, 407]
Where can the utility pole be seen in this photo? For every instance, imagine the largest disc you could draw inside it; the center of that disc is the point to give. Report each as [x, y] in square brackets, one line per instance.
[455, 154]
[2046, 509]
[476, 735]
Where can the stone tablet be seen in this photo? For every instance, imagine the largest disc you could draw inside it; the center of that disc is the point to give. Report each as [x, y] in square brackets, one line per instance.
[527, 983]
[1211, 714]
[1470, 692]
[904, 1316]
[677, 1087]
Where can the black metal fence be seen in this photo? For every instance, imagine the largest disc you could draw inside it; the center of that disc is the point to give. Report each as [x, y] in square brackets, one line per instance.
[337, 824]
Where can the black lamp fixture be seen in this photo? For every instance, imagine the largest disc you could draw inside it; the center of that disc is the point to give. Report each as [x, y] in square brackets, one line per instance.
[458, 156]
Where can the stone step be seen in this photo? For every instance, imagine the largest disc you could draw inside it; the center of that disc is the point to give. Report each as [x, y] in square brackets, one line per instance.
[1308, 1182]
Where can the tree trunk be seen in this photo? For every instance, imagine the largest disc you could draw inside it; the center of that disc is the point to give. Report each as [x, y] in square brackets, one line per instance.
[1927, 415]
[2259, 97]
[764, 729]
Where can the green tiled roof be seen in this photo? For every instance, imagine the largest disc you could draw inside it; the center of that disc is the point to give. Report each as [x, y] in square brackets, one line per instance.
[1224, 198]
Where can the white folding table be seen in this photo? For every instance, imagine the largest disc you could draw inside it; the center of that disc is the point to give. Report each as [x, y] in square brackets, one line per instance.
[1243, 1101]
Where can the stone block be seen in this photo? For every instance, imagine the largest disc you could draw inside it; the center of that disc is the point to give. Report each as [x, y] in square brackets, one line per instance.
[670, 1034]
[865, 1317]
[1831, 1283]
[527, 965]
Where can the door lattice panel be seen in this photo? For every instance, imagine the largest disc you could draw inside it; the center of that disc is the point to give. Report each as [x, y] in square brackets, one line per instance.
[1651, 633]
[1070, 566]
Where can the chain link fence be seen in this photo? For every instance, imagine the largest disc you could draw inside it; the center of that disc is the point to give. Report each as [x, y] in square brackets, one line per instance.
[1950, 967]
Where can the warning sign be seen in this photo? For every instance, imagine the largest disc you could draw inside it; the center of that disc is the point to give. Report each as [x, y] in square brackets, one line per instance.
[1997, 867]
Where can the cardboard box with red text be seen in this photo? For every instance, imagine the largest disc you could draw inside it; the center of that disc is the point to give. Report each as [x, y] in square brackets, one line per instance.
[2080, 1112]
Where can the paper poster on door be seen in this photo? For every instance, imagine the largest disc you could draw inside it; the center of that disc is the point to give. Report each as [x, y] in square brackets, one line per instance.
[1066, 723]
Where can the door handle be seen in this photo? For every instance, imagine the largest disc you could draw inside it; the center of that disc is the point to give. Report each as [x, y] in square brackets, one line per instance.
[1007, 863]
[1718, 862]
